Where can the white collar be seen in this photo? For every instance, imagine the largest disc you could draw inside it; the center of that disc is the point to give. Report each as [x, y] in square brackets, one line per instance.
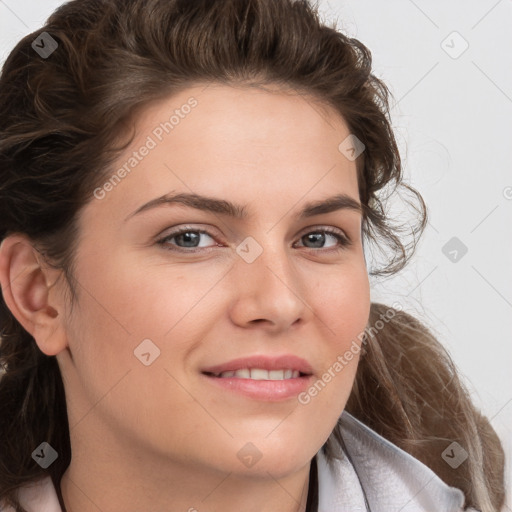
[393, 479]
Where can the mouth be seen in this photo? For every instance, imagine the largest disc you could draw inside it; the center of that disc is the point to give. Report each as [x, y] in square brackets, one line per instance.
[258, 374]
[262, 378]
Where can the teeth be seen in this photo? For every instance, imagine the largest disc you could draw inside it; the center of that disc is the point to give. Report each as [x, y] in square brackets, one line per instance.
[260, 374]
[257, 374]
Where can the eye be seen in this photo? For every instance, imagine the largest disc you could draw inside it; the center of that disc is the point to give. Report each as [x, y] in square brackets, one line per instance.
[190, 240]
[320, 236]
[189, 237]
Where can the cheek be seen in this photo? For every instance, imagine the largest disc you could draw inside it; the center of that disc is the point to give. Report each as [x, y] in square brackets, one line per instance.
[341, 300]
[127, 309]
[342, 305]
[127, 300]
[109, 378]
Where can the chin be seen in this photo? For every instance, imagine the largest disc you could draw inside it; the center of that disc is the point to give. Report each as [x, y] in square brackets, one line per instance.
[274, 466]
[278, 457]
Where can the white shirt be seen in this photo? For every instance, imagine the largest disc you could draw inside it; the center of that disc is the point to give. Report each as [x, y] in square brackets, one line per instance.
[392, 479]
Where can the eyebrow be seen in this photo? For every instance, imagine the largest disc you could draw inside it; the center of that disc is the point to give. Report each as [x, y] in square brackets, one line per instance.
[223, 207]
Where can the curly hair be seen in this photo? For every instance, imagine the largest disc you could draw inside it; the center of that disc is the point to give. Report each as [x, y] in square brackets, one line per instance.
[60, 123]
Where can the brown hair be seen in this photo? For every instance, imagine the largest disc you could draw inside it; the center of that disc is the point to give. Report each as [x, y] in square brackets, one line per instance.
[60, 120]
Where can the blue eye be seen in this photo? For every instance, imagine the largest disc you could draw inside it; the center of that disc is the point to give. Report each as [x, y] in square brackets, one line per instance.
[188, 236]
[191, 237]
[321, 235]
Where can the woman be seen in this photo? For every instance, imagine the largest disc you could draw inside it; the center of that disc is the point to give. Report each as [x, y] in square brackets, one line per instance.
[189, 191]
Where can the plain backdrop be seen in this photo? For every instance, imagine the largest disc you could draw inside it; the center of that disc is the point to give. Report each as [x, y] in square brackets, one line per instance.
[449, 68]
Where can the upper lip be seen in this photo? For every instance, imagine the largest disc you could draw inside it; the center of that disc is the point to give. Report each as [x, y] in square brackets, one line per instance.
[265, 362]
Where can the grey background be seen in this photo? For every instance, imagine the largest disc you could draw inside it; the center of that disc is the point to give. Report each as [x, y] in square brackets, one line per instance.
[452, 114]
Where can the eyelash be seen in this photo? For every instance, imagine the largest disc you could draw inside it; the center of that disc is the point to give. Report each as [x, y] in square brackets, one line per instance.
[343, 240]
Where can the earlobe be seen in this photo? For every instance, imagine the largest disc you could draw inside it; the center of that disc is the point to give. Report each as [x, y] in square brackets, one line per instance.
[27, 291]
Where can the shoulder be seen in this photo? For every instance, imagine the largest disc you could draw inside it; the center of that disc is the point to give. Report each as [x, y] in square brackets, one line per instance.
[391, 478]
[39, 496]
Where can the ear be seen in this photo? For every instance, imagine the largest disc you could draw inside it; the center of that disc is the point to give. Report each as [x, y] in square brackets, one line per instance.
[27, 288]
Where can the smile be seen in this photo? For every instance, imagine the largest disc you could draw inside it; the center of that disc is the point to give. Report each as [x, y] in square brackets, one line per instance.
[260, 374]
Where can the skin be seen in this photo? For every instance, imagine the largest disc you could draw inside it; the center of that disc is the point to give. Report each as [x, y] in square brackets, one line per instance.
[160, 437]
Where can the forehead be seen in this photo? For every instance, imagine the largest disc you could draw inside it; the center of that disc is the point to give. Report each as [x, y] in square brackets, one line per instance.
[220, 140]
[231, 113]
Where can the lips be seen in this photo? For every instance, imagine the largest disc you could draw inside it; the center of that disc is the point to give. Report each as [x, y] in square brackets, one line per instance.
[264, 378]
[260, 362]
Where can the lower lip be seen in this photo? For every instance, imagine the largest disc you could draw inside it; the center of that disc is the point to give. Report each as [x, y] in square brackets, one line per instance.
[265, 390]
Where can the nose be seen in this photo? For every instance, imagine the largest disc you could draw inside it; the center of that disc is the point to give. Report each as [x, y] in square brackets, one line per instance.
[269, 291]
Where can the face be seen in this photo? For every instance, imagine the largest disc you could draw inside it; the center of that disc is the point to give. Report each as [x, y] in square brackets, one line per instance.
[172, 294]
